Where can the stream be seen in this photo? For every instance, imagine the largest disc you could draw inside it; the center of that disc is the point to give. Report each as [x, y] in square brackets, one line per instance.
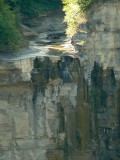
[46, 44]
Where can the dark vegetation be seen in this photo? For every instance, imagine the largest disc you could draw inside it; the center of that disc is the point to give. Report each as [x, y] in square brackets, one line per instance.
[9, 32]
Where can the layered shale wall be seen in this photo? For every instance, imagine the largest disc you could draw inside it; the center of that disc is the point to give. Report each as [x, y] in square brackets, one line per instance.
[65, 107]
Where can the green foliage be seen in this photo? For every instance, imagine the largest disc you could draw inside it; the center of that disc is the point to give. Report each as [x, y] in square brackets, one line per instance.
[85, 4]
[34, 7]
[73, 10]
[9, 35]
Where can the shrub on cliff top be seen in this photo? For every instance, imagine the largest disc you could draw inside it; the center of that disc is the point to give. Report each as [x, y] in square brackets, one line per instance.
[73, 10]
[9, 35]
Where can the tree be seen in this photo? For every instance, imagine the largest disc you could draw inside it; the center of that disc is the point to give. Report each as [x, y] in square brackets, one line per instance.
[9, 35]
[74, 9]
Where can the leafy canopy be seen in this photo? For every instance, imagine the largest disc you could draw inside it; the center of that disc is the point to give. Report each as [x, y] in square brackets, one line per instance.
[34, 7]
[9, 35]
[73, 10]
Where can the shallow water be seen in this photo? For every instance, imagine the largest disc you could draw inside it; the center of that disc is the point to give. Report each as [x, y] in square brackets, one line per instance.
[54, 44]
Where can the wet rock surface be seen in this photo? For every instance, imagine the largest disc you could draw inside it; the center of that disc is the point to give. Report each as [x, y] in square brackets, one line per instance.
[56, 107]
[48, 116]
[31, 115]
[97, 46]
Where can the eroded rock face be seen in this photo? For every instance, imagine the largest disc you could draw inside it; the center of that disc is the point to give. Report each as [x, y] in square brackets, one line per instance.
[44, 117]
[65, 108]
[97, 45]
[98, 39]
[33, 108]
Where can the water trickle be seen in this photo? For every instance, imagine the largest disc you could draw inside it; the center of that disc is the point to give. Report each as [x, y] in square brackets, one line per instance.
[67, 77]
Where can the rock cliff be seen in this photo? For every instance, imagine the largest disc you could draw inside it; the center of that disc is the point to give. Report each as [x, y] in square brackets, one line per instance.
[36, 94]
[65, 107]
[97, 45]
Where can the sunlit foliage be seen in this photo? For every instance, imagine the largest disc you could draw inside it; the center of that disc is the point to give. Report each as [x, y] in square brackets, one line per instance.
[74, 9]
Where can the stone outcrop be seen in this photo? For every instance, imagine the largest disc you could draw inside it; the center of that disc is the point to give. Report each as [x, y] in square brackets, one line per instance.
[47, 22]
[49, 113]
[33, 102]
[28, 32]
[68, 107]
[98, 38]
[97, 45]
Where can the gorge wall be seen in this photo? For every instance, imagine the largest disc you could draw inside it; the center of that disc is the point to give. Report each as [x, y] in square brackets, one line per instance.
[97, 45]
[37, 96]
[65, 107]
